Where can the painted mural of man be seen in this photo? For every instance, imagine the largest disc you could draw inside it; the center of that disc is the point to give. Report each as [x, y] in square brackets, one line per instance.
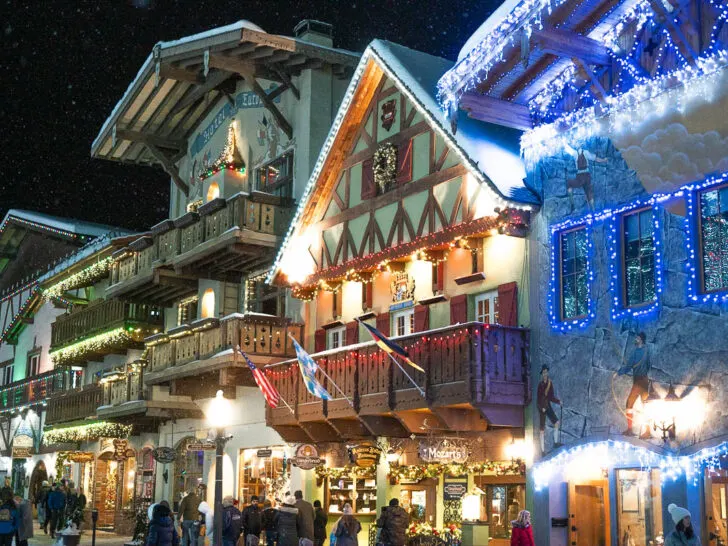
[639, 366]
[582, 180]
[546, 394]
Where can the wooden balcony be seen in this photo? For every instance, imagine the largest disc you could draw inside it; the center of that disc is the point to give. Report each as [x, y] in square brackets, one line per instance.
[221, 241]
[199, 357]
[74, 405]
[33, 390]
[476, 376]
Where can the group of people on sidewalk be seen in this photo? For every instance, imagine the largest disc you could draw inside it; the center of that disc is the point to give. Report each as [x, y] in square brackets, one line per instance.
[16, 519]
[57, 504]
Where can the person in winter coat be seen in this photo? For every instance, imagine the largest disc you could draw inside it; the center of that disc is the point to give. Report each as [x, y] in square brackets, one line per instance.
[205, 510]
[347, 528]
[305, 517]
[287, 523]
[252, 522]
[320, 519]
[232, 522]
[9, 517]
[521, 530]
[394, 523]
[57, 507]
[161, 527]
[41, 503]
[188, 514]
[683, 534]
[25, 529]
[269, 523]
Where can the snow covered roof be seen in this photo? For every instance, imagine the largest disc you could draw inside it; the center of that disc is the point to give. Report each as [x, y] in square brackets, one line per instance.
[488, 27]
[491, 151]
[65, 226]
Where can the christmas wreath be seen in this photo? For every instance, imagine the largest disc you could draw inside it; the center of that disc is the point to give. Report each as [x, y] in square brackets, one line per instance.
[385, 167]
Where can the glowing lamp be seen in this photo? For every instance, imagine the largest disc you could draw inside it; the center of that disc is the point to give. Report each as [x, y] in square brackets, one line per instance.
[471, 505]
[219, 412]
[663, 412]
[392, 457]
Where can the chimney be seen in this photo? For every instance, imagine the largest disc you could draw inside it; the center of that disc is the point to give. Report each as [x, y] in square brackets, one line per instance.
[316, 32]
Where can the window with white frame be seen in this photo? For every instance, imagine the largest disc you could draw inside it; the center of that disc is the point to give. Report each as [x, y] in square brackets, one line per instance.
[403, 322]
[6, 374]
[33, 365]
[336, 337]
[486, 307]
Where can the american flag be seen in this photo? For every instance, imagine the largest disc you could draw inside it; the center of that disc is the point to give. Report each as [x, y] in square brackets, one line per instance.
[269, 391]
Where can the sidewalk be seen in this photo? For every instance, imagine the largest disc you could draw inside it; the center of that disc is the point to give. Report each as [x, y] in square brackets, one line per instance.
[102, 538]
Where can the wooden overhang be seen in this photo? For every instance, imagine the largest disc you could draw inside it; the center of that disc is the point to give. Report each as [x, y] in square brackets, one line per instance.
[608, 44]
[182, 81]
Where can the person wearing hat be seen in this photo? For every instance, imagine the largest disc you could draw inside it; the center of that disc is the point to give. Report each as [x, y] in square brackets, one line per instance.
[545, 395]
[232, 522]
[683, 534]
[41, 503]
[347, 528]
[287, 522]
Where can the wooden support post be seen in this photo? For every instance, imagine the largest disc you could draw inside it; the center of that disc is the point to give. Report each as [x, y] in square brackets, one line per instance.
[169, 167]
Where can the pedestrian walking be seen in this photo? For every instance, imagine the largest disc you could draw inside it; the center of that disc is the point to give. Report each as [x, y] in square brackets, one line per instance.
[161, 527]
[394, 523]
[232, 522]
[684, 533]
[209, 520]
[25, 521]
[269, 522]
[57, 507]
[347, 528]
[9, 517]
[252, 523]
[305, 518]
[521, 530]
[320, 520]
[41, 504]
[287, 523]
[188, 514]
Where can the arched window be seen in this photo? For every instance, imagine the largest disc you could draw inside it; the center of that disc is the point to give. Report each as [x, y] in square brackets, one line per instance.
[208, 303]
[213, 192]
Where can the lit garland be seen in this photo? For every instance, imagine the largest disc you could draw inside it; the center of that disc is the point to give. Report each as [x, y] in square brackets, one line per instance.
[336, 474]
[385, 167]
[97, 343]
[610, 454]
[450, 534]
[83, 278]
[41, 227]
[420, 472]
[86, 433]
[23, 309]
[229, 159]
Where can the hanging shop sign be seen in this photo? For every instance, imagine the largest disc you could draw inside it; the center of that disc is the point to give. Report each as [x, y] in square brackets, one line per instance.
[365, 455]
[443, 451]
[455, 487]
[122, 451]
[81, 457]
[201, 446]
[22, 452]
[306, 457]
[402, 289]
[164, 455]
[264, 453]
[23, 440]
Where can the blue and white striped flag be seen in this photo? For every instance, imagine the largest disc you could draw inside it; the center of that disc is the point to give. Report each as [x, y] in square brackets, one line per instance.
[308, 371]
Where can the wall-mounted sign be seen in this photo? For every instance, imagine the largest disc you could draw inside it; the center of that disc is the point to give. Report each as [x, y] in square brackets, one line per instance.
[122, 451]
[22, 452]
[402, 289]
[81, 457]
[264, 453]
[201, 446]
[455, 487]
[22, 440]
[365, 455]
[443, 451]
[164, 455]
[306, 457]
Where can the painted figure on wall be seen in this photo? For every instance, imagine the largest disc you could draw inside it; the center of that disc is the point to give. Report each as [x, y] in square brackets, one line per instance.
[546, 395]
[639, 366]
[584, 159]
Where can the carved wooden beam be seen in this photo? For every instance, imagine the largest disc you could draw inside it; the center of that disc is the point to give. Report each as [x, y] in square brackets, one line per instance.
[160, 142]
[569, 44]
[676, 33]
[171, 72]
[501, 112]
[596, 86]
[169, 167]
[287, 80]
[248, 73]
[213, 80]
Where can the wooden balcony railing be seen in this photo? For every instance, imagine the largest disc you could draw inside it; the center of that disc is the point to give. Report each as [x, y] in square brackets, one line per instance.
[470, 365]
[126, 388]
[171, 240]
[34, 389]
[257, 335]
[74, 405]
[101, 316]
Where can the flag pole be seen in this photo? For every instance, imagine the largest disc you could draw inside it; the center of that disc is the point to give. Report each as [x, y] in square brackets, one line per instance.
[286, 403]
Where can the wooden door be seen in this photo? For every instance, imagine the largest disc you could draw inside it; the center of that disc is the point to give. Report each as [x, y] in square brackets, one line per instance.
[589, 513]
[716, 513]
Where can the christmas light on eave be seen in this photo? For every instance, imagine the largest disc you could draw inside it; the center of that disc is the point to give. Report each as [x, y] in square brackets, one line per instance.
[100, 342]
[89, 432]
[87, 276]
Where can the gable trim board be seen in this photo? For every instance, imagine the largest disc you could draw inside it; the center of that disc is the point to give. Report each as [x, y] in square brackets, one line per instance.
[379, 57]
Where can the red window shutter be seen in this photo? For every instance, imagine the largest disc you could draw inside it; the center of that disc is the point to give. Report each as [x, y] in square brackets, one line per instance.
[440, 284]
[422, 318]
[459, 309]
[319, 340]
[368, 295]
[383, 323]
[508, 304]
[352, 332]
[368, 188]
[404, 162]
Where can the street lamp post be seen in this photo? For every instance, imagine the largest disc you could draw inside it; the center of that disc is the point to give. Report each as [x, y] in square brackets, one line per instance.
[218, 417]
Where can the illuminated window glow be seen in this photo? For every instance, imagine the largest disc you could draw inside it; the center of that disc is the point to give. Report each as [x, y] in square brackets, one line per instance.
[213, 192]
[208, 303]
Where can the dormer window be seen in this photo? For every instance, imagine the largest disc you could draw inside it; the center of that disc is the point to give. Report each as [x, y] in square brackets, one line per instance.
[276, 177]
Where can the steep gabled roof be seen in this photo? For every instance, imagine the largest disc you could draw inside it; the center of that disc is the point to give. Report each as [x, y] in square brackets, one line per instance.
[491, 152]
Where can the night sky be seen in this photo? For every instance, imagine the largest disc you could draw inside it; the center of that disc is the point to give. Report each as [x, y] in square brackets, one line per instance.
[63, 68]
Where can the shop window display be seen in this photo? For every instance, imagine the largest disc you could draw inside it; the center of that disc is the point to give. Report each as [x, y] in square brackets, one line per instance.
[639, 507]
[501, 505]
[187, 469]
[357, 489]
[716, 492]
[261, 476]
[145, 478]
